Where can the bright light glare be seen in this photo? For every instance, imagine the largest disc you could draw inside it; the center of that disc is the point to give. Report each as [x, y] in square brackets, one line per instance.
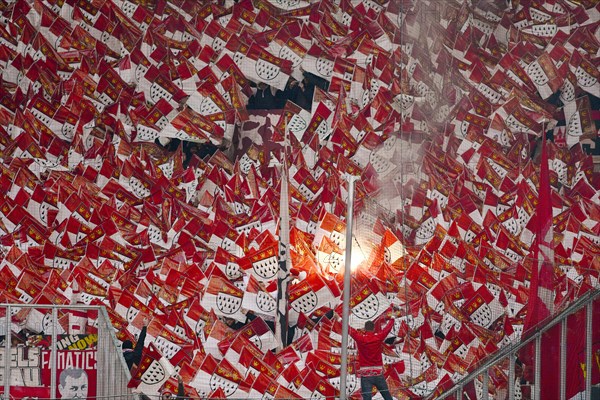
[358, 255]
[357, 259]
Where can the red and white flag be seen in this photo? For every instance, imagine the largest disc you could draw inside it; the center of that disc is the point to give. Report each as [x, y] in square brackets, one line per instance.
[580, 125]
[219, 379]
[588, 76]
[153, 371]
[261, 263]
[367, 305]
[483, 308]
[286, 47]
[319, 62]
[224, 298]
[543, 276]
[260, 334]
[308, 295]
[544, 75]
[260, 65]
[258, 299]
[333, 228]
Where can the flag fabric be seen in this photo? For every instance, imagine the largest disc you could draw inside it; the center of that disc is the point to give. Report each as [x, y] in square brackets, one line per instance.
[542, 284]
[98, 209]
[258, 299]
[223, 298]
[153, 371]
[541, 298]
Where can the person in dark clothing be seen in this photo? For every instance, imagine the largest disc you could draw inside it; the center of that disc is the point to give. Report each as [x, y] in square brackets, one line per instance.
[263, 99]
[133, 355]
[169, 144]
[370, 358]
[294, 92]
[303, 95]
[180, 389]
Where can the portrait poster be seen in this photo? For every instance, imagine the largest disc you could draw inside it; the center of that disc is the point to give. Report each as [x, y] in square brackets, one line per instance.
[31, 368]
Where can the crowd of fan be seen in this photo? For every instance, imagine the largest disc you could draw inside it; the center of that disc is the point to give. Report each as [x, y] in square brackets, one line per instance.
[264, 97]
[298, 92]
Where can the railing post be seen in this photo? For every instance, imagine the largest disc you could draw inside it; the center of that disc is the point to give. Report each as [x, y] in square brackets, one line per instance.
[7, 355]
[563, 358]
[486, 385]
[537, 374]
[53, 355]
[511, 376]
[347, 288]
[512, 350]
[588, 350]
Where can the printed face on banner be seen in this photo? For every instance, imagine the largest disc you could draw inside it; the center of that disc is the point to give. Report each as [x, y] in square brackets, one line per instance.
[73, 384]
[75, 368]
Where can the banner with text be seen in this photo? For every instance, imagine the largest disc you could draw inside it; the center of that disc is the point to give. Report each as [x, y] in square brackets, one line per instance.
[31, 367]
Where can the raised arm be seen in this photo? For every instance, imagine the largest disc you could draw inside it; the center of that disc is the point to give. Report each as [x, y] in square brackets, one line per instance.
[139, 347]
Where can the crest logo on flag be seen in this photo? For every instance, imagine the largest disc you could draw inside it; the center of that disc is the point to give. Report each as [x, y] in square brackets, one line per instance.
[387, 255]
[138, 188]
[228, 304]
[238, 57]
[537, 74]
[266, 70]
[217, 381]
[68, 130]
[208, 107]
[146, 133]
[266, 268]
[285, 3]
[574, 127]
[297, 124]
[44, 212]
[584, 78]
[351, 383]
[380, 164]
[324, 67]
[265, 303]
[154, 374]
[305, 303]
[322, 130]
[60, 263]
[158, 92]
[199, 328]
[245, 163]
[218, 44]
[367, 308]
[232, 270]
[316, 395]
[288, 54]
[482, 316]
[132, 312]
[140, 71]
[167, 348]
[567, 93]
[425, 230]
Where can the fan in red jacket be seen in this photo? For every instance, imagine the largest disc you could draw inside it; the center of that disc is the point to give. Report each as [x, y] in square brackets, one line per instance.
[370, 350]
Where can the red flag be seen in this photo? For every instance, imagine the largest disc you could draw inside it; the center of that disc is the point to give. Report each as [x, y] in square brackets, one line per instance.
[541, 295]
[541, 298]
[257, 299]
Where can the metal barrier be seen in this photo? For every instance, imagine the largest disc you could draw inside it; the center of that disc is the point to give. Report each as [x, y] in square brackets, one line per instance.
[52, 351]
[480, 376]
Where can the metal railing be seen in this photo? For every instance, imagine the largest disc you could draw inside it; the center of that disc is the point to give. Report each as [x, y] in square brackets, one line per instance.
[511, 351]
[41, 341]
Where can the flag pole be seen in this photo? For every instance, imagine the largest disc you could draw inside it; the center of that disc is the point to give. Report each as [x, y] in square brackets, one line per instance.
[283, 276]
[347, 284]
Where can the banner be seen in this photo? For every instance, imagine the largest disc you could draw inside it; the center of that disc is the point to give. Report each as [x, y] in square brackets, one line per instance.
[31, 370]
